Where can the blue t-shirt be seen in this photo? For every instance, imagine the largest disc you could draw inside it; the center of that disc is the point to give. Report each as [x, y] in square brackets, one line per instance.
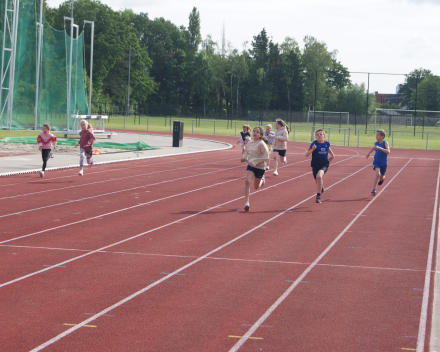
[380, 158]
[244, 135]
[320, 154]
[268, 135]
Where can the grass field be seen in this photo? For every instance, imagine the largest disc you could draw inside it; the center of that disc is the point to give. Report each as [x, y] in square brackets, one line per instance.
[402, 137]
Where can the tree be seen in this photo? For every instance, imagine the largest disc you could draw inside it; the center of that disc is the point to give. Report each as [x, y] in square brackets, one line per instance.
[407, 88]
[259, 51]
[202, 76]
[428, 93]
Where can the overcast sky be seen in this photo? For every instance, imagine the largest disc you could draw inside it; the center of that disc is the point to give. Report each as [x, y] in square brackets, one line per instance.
[377, 36]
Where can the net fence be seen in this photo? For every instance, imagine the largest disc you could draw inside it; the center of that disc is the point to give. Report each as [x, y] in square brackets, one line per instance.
[53, 75]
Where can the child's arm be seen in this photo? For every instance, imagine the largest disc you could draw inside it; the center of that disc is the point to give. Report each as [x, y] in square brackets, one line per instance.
[283, 136]
[54, 142]
[372, 149]
[386, 150]
[310, 151]
[332, 155]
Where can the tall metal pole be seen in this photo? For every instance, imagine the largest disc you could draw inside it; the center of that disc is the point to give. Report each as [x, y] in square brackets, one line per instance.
[314, 107]
[91, 65]
[128, 88]
[70, 69]
[366, 112]
[12, 65]
[415, 107]
[37, 85]
[262, 103]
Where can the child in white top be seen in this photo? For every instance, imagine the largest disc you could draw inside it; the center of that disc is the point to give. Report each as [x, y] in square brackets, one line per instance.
[256, 155]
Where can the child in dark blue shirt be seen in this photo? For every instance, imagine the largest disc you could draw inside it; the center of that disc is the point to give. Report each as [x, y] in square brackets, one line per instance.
[320, 160]
[380, 161]
[245, 137]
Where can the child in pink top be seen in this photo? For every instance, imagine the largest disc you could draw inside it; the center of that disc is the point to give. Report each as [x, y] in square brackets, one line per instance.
[85, 143]
[45, 140]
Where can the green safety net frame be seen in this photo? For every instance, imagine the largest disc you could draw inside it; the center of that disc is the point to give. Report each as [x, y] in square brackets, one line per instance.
[54, 72]
[123, 146]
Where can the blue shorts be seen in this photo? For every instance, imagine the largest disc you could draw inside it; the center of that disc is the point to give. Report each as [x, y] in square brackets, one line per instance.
[258, 173]
[383, 168]
[280, 152]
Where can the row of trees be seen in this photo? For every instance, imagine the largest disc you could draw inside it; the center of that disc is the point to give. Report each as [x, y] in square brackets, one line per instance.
[173, 65]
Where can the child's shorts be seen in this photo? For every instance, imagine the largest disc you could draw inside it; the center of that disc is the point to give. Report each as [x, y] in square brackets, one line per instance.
[280, 152]
[383, 168]
[315, 170]
[258, 173]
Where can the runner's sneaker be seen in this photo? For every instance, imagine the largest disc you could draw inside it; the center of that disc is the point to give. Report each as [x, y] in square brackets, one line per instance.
[80, 173]
[318, 199]
[322, 189]
[285, 162]
[380, 182]
[275, 173]
[267, 167]
[51, 155]
[41, 173]
[373, 193]
[92, 162]
[246, 206]
[264, 181]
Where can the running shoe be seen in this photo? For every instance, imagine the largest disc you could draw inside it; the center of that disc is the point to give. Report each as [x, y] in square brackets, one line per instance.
[246, 206]
[80, 173]
[267, 167]
[322, 189]
[380, 182]
[41, 173]
[275, 173]
[373, 193]
[92, 162]
[285, 162]
[318, 199]
[51, 155]
[264, 181]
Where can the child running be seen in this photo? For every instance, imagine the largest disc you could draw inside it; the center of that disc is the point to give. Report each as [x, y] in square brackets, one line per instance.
[245, 137]
[256, 154]
[320, 160]
[45, 140]
[380, 161]
[280, 144]
[86, 141]
[269, 135]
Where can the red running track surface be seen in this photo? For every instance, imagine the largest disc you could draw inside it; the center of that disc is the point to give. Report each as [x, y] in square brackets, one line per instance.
[158, 255]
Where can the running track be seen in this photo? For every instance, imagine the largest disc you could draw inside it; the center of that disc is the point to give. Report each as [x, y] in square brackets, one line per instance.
[158, 255]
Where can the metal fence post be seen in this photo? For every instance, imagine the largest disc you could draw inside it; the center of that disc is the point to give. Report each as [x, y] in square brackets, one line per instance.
[235, 130]
[392, 139]
[348, 136]
[192, 126]
[427, 134]
[329, 134]
[214, 127]
[358, 137]
[170, 123]
[124, 122]
[311, 134]
[344, 135]
[294, 133]
[147, 122]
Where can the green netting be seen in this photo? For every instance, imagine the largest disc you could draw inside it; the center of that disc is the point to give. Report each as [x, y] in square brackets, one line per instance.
[124, 146]
[54, 72]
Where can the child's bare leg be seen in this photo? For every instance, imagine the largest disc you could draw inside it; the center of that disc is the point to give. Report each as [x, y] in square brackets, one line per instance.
[258, 183]
[377, 177]
[319, 181]
[247, 185]
[275, 161]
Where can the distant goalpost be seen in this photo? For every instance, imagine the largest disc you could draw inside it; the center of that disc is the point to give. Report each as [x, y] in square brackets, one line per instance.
[329, 117]
[401, 117]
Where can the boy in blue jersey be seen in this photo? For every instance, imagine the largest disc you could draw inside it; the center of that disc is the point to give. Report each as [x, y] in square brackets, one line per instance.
[320, 160]
[380, 161]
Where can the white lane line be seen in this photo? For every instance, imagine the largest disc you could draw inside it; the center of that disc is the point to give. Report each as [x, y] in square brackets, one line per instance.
[157, 228]
[85, 322]
[120, 191]
[280, 300]
[425, 300]
[132, 207]
[219, 258]
[119, 178]
[94, 172]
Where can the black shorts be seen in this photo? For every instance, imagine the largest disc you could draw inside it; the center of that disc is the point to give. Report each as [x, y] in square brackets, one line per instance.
[280, 152]
[316, 169]
[258, 173]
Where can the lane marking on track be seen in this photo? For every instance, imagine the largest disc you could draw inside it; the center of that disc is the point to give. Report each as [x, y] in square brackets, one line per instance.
[89, 326]
[425, 301]
[252, 338]
[142, 204]
[280, 300]
[111, 170]
[119, 178]
[74, 328]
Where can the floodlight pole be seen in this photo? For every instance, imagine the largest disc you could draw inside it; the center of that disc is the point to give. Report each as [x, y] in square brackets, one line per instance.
[366, 113]
[128, 86]
[91, 65]
[37, 85]
[12, 62]
[415, 107]
[70, 68]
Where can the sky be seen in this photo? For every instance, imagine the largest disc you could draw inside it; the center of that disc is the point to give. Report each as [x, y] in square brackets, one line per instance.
[376, 36]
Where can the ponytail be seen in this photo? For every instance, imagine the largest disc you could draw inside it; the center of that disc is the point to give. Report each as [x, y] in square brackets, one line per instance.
[282, 123]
